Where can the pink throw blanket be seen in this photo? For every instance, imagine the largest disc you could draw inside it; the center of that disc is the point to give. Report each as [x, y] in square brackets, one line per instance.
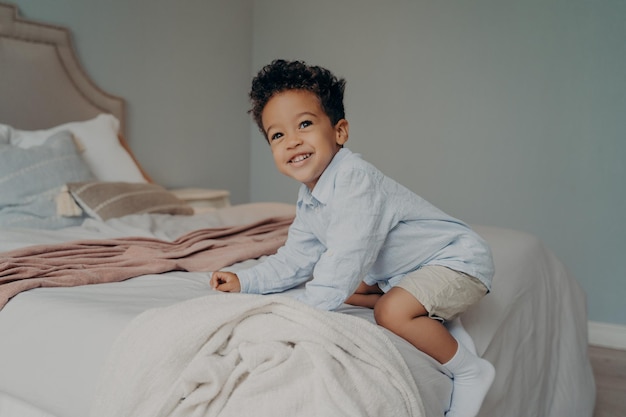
[110, 260]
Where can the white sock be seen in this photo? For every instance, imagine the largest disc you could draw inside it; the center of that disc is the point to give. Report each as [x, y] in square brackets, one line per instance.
[472, 377]
[456, 329]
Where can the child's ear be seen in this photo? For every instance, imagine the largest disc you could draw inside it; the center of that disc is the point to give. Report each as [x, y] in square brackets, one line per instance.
[342, 129]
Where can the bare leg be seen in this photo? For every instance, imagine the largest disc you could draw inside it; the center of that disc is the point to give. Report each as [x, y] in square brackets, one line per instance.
[365, 296]
[404, 315]
[401, 313]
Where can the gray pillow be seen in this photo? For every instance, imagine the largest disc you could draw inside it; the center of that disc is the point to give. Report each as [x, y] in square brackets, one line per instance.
[106, 200]
[31, 179]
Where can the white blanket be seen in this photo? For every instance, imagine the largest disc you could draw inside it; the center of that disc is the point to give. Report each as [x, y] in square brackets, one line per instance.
[243, 355]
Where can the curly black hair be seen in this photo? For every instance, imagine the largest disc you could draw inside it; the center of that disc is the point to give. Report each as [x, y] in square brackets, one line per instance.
[281, 75]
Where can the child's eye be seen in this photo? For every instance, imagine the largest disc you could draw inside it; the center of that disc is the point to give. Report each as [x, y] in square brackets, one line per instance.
[305, 123]
[277, 135]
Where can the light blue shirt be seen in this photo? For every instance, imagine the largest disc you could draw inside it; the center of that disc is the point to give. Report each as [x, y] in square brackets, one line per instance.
[360, 225]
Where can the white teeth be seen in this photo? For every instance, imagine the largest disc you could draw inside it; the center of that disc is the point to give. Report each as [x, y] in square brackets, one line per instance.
[300, 158]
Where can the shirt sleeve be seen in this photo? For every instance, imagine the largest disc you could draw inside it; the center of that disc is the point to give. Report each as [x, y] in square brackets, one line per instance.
[292, 264]
[360, 222]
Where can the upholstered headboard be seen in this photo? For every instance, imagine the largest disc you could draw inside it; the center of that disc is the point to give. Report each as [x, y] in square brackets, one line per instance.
[42, 84]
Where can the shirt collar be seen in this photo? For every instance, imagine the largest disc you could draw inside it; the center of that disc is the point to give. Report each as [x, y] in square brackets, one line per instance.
[325, 184]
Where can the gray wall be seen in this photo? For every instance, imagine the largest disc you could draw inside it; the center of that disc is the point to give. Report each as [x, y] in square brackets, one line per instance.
[500, 112]
[184, 68]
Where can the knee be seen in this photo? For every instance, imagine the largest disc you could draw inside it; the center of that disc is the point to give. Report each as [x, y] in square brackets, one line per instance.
[386, 314]
[396, 309]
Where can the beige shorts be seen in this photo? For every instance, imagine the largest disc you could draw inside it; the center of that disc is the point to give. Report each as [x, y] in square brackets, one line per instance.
[444, 292]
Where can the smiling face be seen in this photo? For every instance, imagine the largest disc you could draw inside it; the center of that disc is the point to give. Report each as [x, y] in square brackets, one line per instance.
[301, 136]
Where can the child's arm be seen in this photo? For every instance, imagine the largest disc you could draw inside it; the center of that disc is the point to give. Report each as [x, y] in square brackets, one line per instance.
[289, 267]
[359, 221]
[365, 296]
[225, 281]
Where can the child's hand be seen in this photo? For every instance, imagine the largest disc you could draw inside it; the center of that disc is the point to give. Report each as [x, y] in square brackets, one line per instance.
[225, 281]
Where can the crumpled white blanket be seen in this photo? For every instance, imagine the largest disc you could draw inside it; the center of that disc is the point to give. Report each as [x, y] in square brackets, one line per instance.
[249, 355]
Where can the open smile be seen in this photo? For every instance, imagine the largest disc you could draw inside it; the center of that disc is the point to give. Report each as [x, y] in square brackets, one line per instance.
[300, 158]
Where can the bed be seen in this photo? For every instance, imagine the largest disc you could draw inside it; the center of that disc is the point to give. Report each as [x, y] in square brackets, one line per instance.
[160, 342]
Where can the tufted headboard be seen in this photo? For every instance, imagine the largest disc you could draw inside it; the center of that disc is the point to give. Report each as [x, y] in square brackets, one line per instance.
[42, 84]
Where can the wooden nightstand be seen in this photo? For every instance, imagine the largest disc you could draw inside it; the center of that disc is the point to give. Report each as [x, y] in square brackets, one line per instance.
[202, 199]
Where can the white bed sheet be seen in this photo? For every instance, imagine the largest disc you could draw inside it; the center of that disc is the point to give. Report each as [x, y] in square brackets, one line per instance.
[57, 339]
[54, 341]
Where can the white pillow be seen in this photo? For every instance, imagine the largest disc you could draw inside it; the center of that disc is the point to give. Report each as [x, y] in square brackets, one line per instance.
[4, 134]
[105, 155]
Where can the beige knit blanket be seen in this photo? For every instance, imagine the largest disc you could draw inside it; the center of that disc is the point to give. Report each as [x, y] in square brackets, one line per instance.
[240, 355]
[110, 260]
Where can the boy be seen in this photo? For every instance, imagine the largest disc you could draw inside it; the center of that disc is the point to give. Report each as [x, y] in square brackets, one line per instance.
[365, 239]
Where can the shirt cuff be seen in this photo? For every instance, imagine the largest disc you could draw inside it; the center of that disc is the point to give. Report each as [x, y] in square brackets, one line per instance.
[247, 283]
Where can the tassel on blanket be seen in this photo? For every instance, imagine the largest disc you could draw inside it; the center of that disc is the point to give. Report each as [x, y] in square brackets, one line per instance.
[66, 205]
[80, 147]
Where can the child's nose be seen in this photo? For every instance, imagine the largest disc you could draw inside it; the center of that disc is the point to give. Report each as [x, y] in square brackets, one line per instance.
[294, 140]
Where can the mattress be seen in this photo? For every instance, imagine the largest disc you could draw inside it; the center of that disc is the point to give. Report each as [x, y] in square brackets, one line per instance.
[55, 342]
